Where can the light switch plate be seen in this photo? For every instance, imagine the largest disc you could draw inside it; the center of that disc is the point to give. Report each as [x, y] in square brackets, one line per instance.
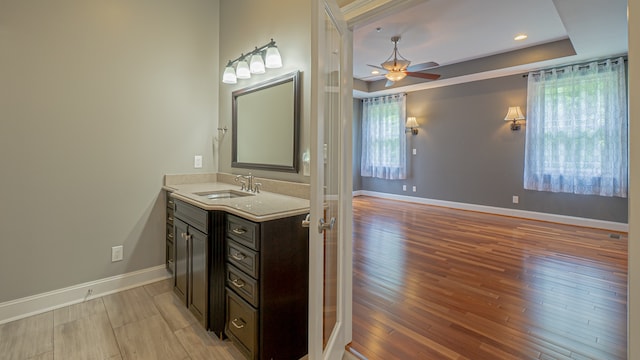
[414, 188]
[515, 199]
[197, 161]
[415, 151]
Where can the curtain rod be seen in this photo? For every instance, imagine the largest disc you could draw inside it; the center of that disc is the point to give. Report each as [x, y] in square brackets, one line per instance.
[580, 66]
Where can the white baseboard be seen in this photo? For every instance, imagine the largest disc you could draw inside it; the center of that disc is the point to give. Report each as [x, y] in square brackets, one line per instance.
[533, 215]
[37, 304]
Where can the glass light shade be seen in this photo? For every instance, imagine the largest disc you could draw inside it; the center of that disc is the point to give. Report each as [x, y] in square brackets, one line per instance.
[411, 123]
[396, 64]
[272, 58]
[395, 75]
[242, 70]
[514, 113]
[229, 76]
[256, 64]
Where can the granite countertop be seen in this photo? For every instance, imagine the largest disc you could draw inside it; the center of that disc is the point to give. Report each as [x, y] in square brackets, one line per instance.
[258, 207]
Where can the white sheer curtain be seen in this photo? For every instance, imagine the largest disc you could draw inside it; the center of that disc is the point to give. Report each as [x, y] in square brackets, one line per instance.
[576, 138]
[384, 153]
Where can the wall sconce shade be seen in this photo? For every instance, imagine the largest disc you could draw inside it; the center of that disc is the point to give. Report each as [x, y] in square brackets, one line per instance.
[514, 114]
[242, 70]
[256, 65]
[229, 76]
[272, 58]
[411, 125]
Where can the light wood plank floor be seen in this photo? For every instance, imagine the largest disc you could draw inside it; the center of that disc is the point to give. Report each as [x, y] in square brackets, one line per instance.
[438, 283]
[145, 323]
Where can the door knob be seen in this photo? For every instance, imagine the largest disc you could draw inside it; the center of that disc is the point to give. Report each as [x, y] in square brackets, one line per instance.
[322, 225]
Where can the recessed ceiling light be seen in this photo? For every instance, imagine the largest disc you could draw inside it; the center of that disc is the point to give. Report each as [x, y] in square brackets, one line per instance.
[375, 72]
[520, 37]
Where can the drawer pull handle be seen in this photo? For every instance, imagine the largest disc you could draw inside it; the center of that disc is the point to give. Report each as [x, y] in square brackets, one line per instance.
[239, 231]
[170, 218]
[233, 322]
[170, 202]
[238, 256]
[239, 284]
[170, 236]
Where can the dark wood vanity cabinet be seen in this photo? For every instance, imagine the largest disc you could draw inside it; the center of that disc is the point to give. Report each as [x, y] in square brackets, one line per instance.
[199, 263]
[267, 278]
[169, 243]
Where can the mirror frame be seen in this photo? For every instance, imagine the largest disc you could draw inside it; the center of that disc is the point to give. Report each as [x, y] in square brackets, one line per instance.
[291, 77]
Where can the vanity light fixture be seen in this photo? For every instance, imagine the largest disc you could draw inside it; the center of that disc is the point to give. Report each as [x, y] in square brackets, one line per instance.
[411, 125]
[256, 65]
[514, 114]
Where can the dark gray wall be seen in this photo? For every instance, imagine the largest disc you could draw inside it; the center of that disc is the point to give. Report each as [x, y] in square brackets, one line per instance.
[467, 153]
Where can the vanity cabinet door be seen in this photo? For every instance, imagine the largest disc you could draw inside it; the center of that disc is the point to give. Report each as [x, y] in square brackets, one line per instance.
[181, 248]
[198, 275]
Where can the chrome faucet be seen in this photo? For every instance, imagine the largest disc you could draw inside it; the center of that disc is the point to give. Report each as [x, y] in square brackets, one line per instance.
[247, 183]
[243, 182]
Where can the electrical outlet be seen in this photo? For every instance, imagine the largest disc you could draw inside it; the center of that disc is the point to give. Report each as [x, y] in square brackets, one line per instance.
[404, 187]
[415, 151]
[414, 188]
[515, 199]
[197, 161]
[117, 253]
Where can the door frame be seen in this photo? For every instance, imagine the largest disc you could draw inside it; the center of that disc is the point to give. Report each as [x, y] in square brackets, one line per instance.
[342, 336]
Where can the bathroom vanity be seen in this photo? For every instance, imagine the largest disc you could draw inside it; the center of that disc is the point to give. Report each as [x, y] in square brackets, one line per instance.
[240, 263]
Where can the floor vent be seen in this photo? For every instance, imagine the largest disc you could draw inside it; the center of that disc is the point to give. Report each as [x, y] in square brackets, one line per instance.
[614, 236]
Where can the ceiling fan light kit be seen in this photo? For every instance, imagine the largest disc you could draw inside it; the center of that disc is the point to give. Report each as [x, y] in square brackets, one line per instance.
[395, 75]
[398, 67]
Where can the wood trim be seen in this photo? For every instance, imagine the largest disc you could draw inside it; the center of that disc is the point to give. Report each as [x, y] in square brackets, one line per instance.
[40, 303]
[524, 214]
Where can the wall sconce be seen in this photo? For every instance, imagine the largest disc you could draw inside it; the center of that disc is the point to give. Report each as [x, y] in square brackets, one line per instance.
[411, 125]
[514, 114]
[256, 64]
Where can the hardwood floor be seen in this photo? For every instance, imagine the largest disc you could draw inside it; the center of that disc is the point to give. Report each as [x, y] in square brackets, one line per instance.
[439, 283]
[146, 323]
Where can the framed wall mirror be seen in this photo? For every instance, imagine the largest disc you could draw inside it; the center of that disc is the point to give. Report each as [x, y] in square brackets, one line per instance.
[265, 125]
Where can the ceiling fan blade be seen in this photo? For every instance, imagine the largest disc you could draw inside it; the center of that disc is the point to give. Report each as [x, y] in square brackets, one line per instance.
[389, 83]
[377, 67]
[424, 75]
[423, 66]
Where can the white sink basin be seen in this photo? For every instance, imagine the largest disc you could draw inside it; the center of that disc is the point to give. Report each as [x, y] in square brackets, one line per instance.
[223, 194]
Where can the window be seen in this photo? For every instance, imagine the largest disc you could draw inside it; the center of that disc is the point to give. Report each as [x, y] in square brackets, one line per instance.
[383, 137]
[576, 139]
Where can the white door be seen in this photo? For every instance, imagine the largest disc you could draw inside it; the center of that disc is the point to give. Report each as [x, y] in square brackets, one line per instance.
[330, 219]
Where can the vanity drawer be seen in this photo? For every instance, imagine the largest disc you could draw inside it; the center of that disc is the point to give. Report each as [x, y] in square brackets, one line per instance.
[242, 284]
[169, 232]
[170, 214]
[194, 216]
[241, 325]
[170, 257]
[243, 231]
[242, 258]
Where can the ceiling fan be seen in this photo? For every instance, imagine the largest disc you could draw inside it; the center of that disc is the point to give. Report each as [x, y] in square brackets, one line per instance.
[397, 67]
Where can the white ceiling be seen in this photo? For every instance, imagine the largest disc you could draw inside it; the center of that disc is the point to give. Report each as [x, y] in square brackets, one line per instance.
[453, 31]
